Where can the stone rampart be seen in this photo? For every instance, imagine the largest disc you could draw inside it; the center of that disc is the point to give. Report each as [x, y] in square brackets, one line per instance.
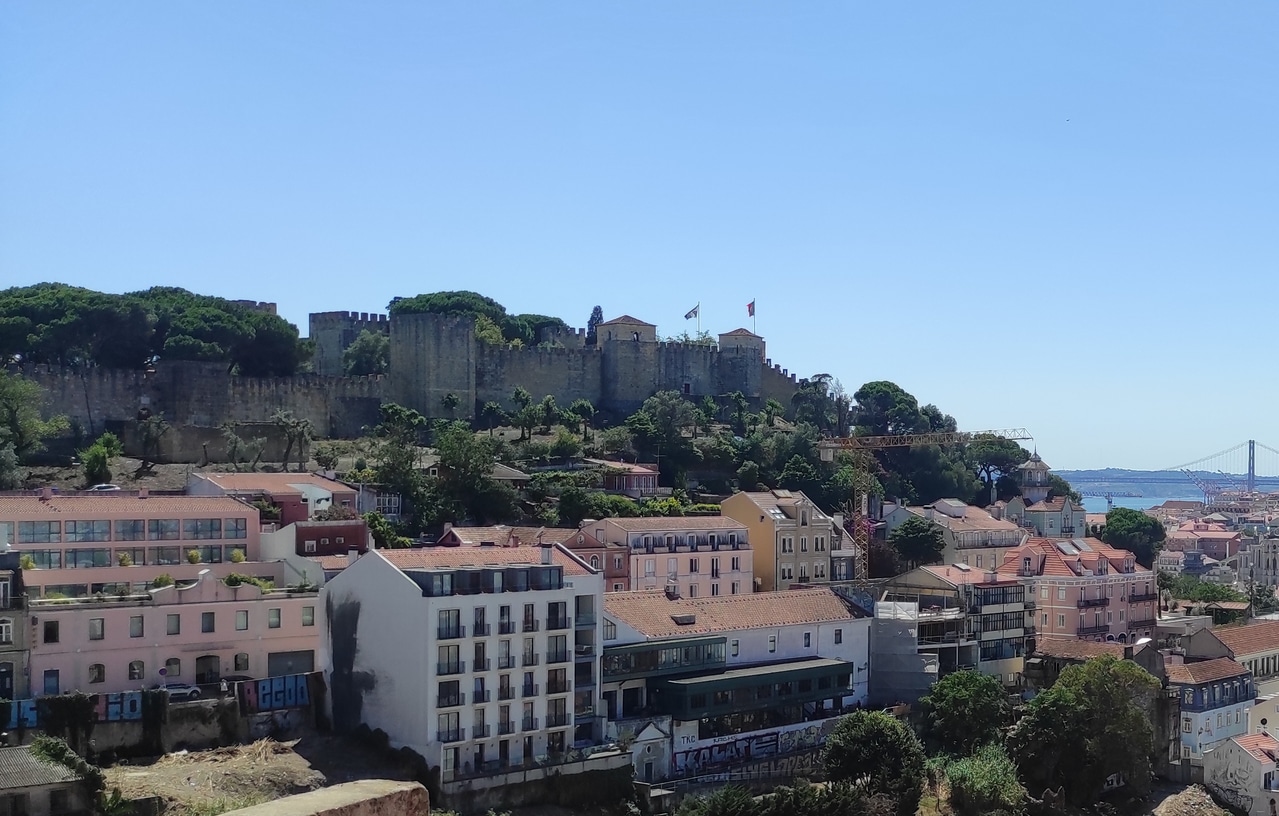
[565, 373]
[334, 332]
[366, 797]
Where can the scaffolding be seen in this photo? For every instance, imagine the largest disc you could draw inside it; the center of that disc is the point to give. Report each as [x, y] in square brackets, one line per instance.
[900, 673]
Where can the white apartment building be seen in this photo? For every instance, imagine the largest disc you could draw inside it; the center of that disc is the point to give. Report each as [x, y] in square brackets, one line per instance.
[697, 556]
[483, 660]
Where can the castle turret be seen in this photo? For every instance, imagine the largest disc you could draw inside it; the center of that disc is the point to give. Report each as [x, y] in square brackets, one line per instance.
[1034, 474]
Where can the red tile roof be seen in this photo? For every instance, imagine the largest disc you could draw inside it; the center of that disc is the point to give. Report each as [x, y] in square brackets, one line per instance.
[676, 523]
[626, 319]
[740, 333]
[1051, 557]
[504, 536]
[1071, 649]
[118, 504]
[1262, 746]
[331, 563]
[275, 483]
[446, 557]
[650, 612]
[1204, 671]
[1251, 638]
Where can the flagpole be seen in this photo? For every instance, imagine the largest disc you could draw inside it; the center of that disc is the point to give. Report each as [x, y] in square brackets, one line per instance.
[754, 309]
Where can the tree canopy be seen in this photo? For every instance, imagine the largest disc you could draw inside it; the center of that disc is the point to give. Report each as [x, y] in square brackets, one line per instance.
[519, 328]
[369, 354]
[963, 711]
[1133, 530]
[918, 541]
[56, 324]
[876, 747]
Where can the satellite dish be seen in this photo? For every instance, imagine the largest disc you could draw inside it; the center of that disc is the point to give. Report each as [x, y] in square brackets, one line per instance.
[1144, 641]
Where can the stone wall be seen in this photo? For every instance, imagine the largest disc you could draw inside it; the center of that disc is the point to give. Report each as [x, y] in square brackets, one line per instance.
[777, 383]
[334, 332]
[565, 373]
[366, 797]
[433, 356]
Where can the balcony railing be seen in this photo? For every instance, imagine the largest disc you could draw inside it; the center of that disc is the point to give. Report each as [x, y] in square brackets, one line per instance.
[454, 735]
[481, 665]
[506, 693]
[529, 724]
[1138, 597]
[455, 667]
[507, 727]
[450, 700]
[481, 630]
[560, 656]
[583, 651]
[506, 662]
[530, 626]
[451, 632]
[584, 621]
[530, 660]
[1143, 622]
[557, 623]
[1030, 603]
[506, 627]
[557, 687]
[557, 720]
[481, 696]
[481, 731]
[530, 690]
[1086, 603]
[1099, 629]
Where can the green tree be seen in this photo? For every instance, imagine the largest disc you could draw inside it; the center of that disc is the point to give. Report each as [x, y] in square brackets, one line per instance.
[658, 429]
[466, 479]
[298, 432]
[96, 459]
[585, 412]
[521, 397]
[20, 422]
[492, 415]
[1057, 486]
[918, 541]
[549, 413]
[592, 326]
[1092, 723]
[526, 420]
[963, 711]
[985, 784]
[772, 410]
[326, 456]
[738, 400]
[488, 332]
[875, 747]
[1133, 530]
[1190, 588]
[618, 441]
[993, 457]
[150, 431]
[384, 533]
[369, 354]
[451, 401]
[748, 476]
[565, 446]
[800, 475]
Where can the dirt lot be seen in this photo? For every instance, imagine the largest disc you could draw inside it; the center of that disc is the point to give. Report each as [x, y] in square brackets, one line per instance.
[205, 783]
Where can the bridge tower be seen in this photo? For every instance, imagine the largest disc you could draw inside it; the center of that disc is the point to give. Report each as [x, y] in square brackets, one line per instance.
[1252, 465]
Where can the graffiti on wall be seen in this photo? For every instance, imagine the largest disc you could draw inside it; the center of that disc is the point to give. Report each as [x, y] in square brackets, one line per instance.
[1233, 776]
[274, 693]
[118, 706]
[277, 725]
[739, 748]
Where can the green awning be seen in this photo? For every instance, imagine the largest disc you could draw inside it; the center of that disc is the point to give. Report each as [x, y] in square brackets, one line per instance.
[772, 673]
[651, 645]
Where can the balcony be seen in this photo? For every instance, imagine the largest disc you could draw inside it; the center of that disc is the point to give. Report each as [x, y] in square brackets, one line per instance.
[1139, 597]
[481, 731]
[455, 667]
[530, 626]
[1067, 531]
[506, 627]
[1030, 603]
[557, 720]
[529, 660]
[481, 630]
[481, 696]
[553, 624]
[584, 712]
[584, 621]
[557, 687]
[1088, 603]
[531, 690]
[481, 665]
[450, 700]
[450, 632]
[1099, 629]
[506, 693]
[453, 735]
[557, 656]
[507, 662]
[504, 728]
[528, 724]
[1134, 624]
[583, 651]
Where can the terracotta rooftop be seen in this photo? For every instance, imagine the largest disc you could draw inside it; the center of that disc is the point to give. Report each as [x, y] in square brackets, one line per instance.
[274, 483]
[1204, 671]
[446, 557]
[1251, 638]
[971, 519]
[652, 614]
[783, 500]
[1070, 649]
[629, 467]
[1262, 746]
[740, 333]
[1058, 558]
[1053, 505]
[504, 536]
[331, 563]
[116, 505]
[626, 319]
[675, 523]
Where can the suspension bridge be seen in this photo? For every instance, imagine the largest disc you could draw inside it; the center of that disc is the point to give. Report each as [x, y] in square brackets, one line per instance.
[1248, 467]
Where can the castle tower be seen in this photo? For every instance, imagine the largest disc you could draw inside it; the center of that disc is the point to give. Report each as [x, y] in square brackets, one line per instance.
[629, 368]
[334, 332]
[433, 358]
[740, 363]
[1034, 479]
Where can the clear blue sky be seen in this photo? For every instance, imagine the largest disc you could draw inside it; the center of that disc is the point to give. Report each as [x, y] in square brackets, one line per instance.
[1051, 215]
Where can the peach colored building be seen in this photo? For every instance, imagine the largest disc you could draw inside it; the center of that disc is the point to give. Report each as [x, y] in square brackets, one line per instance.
[696, 556]
[1213, 540]
[196, 634]
[1082, 588]
[117, 543]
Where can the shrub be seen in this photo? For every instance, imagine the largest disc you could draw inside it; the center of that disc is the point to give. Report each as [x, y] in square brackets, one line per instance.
[164, 580]
[125, 560]
[986, 783]
[237, 556]
[193, 556]
[236, 579]
[27, 562]
[876, 747]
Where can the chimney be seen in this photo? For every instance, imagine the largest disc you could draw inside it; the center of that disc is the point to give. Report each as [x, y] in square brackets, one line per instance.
[448, 525]
[928, 512]
[351, 555]
[1128, 652]
[143, 493]
[547, 548]
[46, 493]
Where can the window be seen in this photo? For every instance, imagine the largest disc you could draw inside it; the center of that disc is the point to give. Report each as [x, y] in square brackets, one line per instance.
[610, 630]
[206, 621]
[201, 529]
[242, 662]
[772, 643]
[737, 587]
[173, 667]
[1061, 621]
[736, 563]
[692, 590]
[173, 625]
[273, 618]
[308, 546]
[803, 543]
[46, 559]
[6, 630]
[617, 587]
[137, 670]
[617, 562]
[97, 628]
[136, 626]
[235, 528]
[595, 562]
[241, 620]
[650, 567]
[672, 567]
[808, 640]
[87, 531]
[839, 636]
[692, 566]
[86, 558]
[733, 647]
[714, 590]
[308, 616]
[1061, 593]
[39, 532]
[163, 530]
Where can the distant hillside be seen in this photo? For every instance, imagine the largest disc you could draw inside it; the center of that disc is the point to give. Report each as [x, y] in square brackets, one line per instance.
[1155, 484]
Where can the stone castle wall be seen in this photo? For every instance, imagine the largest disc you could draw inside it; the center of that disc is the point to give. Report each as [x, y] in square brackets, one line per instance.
[334, 332]
[565, 373]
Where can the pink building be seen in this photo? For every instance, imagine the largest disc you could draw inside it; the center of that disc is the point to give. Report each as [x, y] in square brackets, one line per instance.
[196, 634]
[697, 556]
[113, 543]
[1082, 588]
[628, 479]
[1213, 540]
[298, 496]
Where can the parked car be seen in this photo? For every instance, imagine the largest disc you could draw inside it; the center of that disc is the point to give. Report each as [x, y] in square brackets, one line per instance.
[181, 692]
[102, 488]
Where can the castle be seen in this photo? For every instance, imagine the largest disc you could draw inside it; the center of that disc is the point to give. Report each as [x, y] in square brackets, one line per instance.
[433, 359]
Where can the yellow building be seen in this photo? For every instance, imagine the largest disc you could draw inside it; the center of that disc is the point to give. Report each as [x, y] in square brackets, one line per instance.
[791, 537]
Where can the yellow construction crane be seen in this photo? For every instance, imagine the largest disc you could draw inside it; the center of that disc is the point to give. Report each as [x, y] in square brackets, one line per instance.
[861, 522]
